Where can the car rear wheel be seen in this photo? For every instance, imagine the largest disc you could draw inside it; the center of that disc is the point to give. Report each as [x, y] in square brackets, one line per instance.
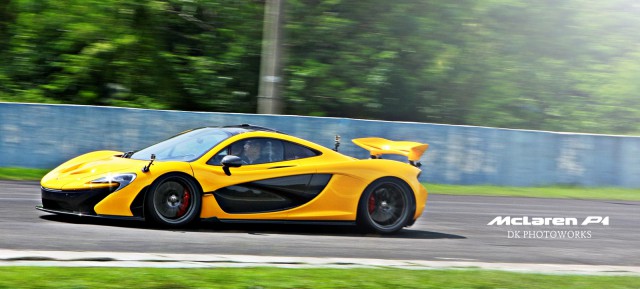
[385, 206]
[173, 201]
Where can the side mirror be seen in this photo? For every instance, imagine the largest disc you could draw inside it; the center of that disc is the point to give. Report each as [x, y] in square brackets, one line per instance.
[230, 161]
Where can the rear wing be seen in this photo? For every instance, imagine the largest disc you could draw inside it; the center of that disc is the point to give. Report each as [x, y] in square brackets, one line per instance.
[379, 146]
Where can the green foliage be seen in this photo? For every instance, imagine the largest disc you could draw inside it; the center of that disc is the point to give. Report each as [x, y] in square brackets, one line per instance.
[554, 192]
[546, 65]
[69, 277]
[22, 174]
[551, 65]
[156, 54]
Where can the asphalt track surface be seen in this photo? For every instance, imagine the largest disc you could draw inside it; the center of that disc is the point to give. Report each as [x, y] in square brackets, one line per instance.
[453, 228]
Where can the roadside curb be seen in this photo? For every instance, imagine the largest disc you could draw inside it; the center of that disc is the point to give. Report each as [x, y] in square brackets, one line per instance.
[161, 260]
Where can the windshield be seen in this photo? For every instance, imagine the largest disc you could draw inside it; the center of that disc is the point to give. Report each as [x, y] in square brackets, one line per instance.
[186, 147]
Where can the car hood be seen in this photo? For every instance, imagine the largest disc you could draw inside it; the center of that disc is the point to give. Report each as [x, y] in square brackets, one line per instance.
[77, 173]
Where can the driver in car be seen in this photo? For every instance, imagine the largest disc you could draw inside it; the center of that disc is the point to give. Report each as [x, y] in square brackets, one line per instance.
[252, 153]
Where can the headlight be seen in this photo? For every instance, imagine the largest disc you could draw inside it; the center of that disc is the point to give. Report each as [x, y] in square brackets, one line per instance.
[122, 180]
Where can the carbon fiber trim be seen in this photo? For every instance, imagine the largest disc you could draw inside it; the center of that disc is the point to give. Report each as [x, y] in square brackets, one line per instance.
[91, 216]
[271, 195]
[73, 201]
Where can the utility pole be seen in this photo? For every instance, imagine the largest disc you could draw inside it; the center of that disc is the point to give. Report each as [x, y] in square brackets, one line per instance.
[269, 98]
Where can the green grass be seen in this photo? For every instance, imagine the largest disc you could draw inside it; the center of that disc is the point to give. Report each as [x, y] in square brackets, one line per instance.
[26, 174]
[22, 174]
[50, 277]
[538, 192]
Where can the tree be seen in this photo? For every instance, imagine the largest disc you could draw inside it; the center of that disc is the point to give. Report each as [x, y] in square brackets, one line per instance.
[156, 54]
[548, 65]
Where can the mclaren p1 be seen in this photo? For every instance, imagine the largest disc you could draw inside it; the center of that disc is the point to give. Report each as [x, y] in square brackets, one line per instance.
[243, 173]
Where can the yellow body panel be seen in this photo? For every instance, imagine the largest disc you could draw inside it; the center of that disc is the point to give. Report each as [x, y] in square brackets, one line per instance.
[337, 202]
[117, 203]
[78, 173]
[76, 169]
[212, 178]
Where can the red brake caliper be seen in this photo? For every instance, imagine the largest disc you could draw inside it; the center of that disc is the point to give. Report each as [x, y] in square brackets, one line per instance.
[185, 203]
[372, 204]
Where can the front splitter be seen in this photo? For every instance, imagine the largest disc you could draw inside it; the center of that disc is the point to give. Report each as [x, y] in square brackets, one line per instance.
[110, 217]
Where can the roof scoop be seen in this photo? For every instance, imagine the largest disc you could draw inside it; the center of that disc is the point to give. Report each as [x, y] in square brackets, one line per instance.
[145, 169]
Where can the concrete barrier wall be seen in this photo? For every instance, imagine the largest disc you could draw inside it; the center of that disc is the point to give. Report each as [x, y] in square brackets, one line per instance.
[43, 136]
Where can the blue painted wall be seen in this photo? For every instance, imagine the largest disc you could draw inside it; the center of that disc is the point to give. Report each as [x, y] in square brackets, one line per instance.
[43, 136]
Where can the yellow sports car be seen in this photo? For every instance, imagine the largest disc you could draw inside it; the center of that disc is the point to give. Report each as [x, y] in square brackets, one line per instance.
[242, 173]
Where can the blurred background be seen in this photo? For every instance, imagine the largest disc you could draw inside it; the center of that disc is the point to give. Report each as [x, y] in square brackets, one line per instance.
[571, 65]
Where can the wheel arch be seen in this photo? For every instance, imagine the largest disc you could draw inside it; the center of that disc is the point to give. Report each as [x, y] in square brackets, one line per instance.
[169, 174]
[406, 185]
[394, 178]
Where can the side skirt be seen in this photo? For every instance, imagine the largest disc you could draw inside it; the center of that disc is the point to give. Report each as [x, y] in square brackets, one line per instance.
[283, 222]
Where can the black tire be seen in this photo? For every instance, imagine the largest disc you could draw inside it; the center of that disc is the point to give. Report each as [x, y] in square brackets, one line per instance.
[385, 206]
[173, 201]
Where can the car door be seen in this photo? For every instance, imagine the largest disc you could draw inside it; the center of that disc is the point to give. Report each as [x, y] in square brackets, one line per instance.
[267, 184]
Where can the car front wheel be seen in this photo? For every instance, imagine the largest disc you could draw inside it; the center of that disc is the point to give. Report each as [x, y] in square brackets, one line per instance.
[173, 201]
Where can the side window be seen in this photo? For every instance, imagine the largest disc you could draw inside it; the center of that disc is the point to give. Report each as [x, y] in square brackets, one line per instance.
[252, 151]
[293, 151]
